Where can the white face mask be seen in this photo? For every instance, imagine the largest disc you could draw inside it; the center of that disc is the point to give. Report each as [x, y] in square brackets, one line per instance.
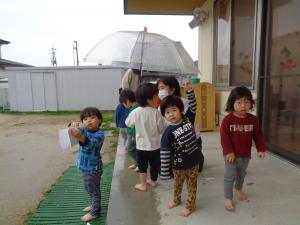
[162, 94]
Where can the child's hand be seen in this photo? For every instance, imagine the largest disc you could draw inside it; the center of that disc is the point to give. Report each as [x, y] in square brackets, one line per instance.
[261, 155]
[75, 132]
[230, 157]
[187, 86]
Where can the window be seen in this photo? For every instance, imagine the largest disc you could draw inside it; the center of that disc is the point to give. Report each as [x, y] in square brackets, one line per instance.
[235, 26]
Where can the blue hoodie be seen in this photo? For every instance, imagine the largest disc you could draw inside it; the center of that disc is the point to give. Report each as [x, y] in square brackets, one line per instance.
[121, 114]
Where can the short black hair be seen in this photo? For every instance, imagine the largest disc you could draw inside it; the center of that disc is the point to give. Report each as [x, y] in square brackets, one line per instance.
[127, 94]
[236, 93]
[136, 71]
[171, 82]
[91, 111]
[170, 101]
[144, 92]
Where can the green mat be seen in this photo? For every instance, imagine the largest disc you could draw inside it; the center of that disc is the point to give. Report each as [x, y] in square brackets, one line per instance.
[66, 199]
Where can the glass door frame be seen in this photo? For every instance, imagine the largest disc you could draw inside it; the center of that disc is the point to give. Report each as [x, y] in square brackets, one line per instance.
[264, 80]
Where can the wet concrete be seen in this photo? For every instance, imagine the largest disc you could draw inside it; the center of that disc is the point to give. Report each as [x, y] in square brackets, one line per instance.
[126, 205]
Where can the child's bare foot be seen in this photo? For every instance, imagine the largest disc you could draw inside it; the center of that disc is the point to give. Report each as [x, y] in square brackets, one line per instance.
[132, 167]
[152, 183]
[229, 205]
[185, 213]
[140, 187]
[172, 204]
[241, 195]
[88, 217]
[87, 209]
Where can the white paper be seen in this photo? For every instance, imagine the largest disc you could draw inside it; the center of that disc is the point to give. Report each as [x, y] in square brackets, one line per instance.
[66, 140]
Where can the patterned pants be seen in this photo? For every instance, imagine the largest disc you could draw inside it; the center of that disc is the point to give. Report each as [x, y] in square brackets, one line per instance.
[190, 175]
[91, 184]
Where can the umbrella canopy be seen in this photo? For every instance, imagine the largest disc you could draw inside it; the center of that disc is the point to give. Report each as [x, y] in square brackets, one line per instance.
[144, 51]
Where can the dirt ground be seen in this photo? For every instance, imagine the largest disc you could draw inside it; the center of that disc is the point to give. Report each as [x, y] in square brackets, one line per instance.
[31, 161]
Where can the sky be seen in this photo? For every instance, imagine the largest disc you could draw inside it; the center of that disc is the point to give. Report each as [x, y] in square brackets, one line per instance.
[35, 26]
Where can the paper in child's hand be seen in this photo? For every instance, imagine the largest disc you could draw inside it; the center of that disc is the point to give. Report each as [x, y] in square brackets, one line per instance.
[66, 140]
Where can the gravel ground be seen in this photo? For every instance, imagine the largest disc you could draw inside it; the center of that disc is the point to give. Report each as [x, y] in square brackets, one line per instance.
[31, 161]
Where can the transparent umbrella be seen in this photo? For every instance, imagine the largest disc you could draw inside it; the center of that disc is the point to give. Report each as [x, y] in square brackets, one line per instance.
[144, 51]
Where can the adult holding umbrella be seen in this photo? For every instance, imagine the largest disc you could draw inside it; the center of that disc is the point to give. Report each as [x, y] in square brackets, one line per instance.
[131, 79]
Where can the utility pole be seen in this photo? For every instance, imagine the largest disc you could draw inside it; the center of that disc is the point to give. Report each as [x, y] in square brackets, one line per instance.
[75, 49]
[53, 57]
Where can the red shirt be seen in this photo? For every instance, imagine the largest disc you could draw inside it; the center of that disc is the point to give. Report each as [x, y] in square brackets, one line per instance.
[237, 135]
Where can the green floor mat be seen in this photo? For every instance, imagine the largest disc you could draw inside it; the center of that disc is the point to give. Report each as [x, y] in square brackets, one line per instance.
[66, 199]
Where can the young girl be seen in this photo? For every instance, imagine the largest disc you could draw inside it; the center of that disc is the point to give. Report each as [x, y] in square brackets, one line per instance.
[149, 124]
[170, 86]
[89, 160]
[179, 147]
[238, 129]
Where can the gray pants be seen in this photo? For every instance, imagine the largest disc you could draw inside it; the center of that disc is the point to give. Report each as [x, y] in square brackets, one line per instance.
[91, 184]
[234, 175]
[123, 132]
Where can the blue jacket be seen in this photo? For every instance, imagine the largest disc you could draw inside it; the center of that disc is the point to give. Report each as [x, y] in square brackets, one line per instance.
[89, 157]
[121, 114]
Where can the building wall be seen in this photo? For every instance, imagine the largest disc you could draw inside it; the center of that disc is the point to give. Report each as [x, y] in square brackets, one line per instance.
[206, 60]
[2, 73]
[63, 88]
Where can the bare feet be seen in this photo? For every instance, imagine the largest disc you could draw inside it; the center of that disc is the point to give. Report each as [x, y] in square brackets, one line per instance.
[152, 183]
[87, 209]
[88, 217]
[140, 187]
[132, 167]
[172, 204]
[241, 195]
[229, 205]
[185, 213]
[136, 169]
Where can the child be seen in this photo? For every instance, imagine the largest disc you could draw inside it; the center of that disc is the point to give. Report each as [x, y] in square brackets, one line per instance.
[170, 86]
[149, 124]
[179, 143]
[121, 114]
[127, 98]
[238, 129]
[89, 160]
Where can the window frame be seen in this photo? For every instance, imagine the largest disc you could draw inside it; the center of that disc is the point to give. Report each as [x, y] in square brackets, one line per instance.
[228, 85]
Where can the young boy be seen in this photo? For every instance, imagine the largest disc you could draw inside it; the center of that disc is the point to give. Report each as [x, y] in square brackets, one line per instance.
[127, 98]
[179, 143]
[89, 160]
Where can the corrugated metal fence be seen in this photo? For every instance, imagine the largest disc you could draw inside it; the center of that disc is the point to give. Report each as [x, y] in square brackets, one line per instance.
[63, 88]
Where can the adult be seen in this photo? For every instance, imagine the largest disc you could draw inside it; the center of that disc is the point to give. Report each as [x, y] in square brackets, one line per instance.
[131, 79]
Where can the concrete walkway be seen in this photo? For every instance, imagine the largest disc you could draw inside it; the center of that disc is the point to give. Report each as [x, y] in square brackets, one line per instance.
[272, 185]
